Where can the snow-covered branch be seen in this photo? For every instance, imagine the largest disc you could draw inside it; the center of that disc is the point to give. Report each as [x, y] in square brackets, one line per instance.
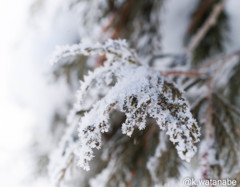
[135, 90]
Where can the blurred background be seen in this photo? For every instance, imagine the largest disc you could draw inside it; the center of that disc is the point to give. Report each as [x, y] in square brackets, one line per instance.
[33, 96]
[30, 30]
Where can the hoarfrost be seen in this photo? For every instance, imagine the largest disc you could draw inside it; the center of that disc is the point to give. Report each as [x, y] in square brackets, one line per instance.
[124, 84]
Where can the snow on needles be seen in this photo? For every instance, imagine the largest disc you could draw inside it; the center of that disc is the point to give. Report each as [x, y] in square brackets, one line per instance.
[136, 90]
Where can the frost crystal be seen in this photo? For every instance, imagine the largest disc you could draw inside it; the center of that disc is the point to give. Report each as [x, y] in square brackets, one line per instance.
[124, 84]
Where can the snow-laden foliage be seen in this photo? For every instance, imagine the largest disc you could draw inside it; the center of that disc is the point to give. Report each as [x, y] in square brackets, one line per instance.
[125, 85]
[63, 158]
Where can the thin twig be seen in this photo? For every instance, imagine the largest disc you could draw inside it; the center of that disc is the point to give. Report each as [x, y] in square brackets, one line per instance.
[64, 170]
[211, 21]
[190, 73]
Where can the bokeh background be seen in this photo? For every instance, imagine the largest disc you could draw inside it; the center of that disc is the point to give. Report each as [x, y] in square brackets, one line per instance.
[30, 31]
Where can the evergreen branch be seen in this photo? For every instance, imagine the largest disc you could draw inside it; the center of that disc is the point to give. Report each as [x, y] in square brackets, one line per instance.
[234, 84]
[234, 126]
[116, 48]
[226, 130]
[144, 94]
[225, 140]
[118, 19]
[209, 139]
[227, 105]
[64, 170]
[193, 83]
[228, 117]
[224, 58]
[202, 69]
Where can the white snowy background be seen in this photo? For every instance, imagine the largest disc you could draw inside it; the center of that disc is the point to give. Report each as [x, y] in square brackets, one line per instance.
[27, 100]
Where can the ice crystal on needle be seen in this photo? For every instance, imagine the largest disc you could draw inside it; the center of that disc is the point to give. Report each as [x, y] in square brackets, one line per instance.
[124, 84]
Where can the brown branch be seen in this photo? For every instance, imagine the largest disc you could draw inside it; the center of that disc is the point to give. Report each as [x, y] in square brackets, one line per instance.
[118, 20]
[64, 170]
[201, 11]
[211, 21]
[209, 132]
[190, 73]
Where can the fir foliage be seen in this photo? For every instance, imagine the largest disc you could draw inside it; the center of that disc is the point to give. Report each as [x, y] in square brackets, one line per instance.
[146, 95]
